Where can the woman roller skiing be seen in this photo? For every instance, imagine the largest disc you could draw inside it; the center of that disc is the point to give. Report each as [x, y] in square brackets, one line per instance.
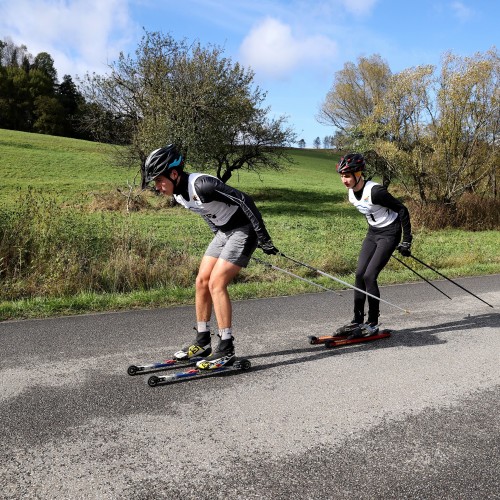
[387, 219]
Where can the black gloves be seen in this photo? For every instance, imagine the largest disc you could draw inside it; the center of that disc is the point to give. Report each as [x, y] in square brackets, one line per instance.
[404, 248]
[268, 248]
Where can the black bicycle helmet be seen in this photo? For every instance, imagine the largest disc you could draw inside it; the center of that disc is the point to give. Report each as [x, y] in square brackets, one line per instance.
[351, 163]
[161, 160]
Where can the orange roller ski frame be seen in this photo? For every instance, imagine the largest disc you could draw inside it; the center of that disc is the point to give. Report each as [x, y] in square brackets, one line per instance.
[330, 341]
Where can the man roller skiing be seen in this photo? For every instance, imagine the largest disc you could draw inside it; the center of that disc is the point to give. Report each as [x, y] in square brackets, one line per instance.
[238, 229]
[387, 219]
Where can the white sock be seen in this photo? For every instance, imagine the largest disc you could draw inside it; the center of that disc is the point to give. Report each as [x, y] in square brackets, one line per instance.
[225, 333]
[203, 326]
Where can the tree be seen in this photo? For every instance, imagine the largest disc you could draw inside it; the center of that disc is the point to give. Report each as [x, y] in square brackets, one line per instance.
[175, 92]
[72, 103]
[355, 92]
[301, 144]
[14, 55]
[99, 124]
[437, 131]
[3, 44]
[339, 140]
[45, 63]
[30, 97]
[16, 101]
[317, 143]
[69, 96]
[49, 116]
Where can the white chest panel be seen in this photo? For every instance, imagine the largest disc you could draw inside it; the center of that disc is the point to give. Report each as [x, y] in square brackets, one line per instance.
[376, 215]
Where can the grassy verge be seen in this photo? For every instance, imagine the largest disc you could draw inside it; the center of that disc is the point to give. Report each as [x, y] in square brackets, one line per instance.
[68, 246]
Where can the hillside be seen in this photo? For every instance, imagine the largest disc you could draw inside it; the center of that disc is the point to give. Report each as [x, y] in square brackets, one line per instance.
[69, 245]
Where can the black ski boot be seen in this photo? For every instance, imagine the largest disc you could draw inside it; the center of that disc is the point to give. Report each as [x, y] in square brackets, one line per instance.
[350, 328]
[369, 329]
[201, 347]
[364, 330]
[222, 356]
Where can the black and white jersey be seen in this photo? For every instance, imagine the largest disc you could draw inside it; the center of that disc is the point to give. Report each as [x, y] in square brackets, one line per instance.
[376, 215]
[380, 208]
[223, 207]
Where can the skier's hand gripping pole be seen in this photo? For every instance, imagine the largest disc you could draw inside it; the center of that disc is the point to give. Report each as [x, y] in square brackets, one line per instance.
[343, 282]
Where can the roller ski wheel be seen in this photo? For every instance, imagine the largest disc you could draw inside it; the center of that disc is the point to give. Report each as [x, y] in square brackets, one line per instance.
[242, 364]
[313, 340]
[238, 366]
[153, 381]
[132, 370]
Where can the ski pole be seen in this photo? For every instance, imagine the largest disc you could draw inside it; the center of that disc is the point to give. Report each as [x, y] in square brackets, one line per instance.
[268, 264]
[446, 278]
[343, 282]
[420, 276]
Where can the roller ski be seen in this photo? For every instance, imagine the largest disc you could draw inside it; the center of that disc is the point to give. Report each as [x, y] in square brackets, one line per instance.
[353, 333]
[237, 365]
[187, 356]
[161, 365]
[223, 359]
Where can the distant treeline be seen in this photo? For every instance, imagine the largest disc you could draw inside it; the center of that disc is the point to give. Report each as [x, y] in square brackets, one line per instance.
[33, 100]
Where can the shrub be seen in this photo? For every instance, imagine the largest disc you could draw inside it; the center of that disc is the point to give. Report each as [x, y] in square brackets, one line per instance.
[472, 213]
[47, 251]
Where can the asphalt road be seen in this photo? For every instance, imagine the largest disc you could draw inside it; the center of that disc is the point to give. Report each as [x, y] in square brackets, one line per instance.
[416, 415]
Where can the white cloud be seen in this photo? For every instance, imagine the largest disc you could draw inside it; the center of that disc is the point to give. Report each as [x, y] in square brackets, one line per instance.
[80, 35]
[358, 7]
[272, 49]
[461, 11]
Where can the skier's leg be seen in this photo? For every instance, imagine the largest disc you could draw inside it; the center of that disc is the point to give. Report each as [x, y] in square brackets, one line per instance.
[222, 274]
[203, 298]
[384, 249]
[201, 346]
[352, 329]
[368, 248]
[236, 254]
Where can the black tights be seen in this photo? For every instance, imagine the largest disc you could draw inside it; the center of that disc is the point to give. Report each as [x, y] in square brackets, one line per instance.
[376, 251]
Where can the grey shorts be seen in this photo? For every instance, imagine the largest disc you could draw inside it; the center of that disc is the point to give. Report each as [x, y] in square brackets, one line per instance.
[236, 246]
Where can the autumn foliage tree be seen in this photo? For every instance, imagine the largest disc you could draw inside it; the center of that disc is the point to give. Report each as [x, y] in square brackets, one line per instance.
[436, 130]
[356, 90]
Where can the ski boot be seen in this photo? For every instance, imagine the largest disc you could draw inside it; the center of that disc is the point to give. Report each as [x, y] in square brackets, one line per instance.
[364, 330]
[370, 328]
[348, 329]
[202, 347]
[222, 356]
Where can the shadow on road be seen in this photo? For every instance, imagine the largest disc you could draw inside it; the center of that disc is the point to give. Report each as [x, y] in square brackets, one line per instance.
[410, 337]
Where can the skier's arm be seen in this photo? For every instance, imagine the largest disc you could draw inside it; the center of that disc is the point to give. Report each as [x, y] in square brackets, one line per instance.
[213, 189]
[380, 196]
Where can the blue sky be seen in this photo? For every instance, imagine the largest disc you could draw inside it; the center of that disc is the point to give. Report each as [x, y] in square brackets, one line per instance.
[293, 46]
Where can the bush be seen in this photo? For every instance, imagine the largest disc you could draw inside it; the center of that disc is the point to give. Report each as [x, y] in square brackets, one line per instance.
[48, 251]
[472, 213]
[134, 200]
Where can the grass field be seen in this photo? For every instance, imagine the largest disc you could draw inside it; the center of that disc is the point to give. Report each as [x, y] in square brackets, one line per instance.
[62, 195]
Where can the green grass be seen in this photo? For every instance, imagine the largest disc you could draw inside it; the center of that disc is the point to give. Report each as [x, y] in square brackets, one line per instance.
[60, 165]
[75, 255]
